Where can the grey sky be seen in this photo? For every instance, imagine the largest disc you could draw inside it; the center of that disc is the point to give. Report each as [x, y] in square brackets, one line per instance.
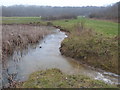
[58, 2]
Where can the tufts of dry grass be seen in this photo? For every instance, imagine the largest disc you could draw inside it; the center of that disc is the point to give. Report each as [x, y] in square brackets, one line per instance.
[17, 37]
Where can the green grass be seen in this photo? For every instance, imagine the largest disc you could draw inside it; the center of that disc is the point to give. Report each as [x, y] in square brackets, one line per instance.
[54, 78]
[104, 27]
[20, 20]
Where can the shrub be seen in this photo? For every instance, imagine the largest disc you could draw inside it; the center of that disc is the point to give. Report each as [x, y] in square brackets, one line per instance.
[49, 23]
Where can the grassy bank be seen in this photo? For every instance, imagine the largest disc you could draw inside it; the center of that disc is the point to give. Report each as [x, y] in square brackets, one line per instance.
[94, 42]
[18, 37]
[54, 78]
[93, 49]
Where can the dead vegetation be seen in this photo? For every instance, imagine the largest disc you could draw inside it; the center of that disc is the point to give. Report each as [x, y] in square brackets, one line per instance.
[17, 37]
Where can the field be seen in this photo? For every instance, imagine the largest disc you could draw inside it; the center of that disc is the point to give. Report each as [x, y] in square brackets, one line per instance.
[105, 27]
[19, 20]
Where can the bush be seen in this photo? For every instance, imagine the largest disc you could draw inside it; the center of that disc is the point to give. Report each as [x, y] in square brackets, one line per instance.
[49, 23]
[60, 17]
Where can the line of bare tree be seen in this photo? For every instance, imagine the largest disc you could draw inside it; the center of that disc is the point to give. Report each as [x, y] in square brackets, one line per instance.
[108, 12]
[44, 11]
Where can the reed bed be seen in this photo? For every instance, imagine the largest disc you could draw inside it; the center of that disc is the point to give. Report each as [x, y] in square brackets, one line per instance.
[17, 37]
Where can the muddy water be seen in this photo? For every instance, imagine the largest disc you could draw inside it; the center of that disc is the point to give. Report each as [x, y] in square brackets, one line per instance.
[46, 55]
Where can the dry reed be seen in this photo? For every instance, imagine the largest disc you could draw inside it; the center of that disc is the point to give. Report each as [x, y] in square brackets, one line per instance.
[15, 37]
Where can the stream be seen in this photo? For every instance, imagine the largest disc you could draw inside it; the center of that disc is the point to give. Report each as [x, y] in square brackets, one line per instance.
[46, 55]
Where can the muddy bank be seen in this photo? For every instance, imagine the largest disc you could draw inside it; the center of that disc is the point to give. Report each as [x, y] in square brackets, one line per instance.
[18, 37]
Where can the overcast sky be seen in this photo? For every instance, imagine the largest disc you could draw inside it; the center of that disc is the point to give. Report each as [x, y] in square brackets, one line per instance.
[58, 2]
